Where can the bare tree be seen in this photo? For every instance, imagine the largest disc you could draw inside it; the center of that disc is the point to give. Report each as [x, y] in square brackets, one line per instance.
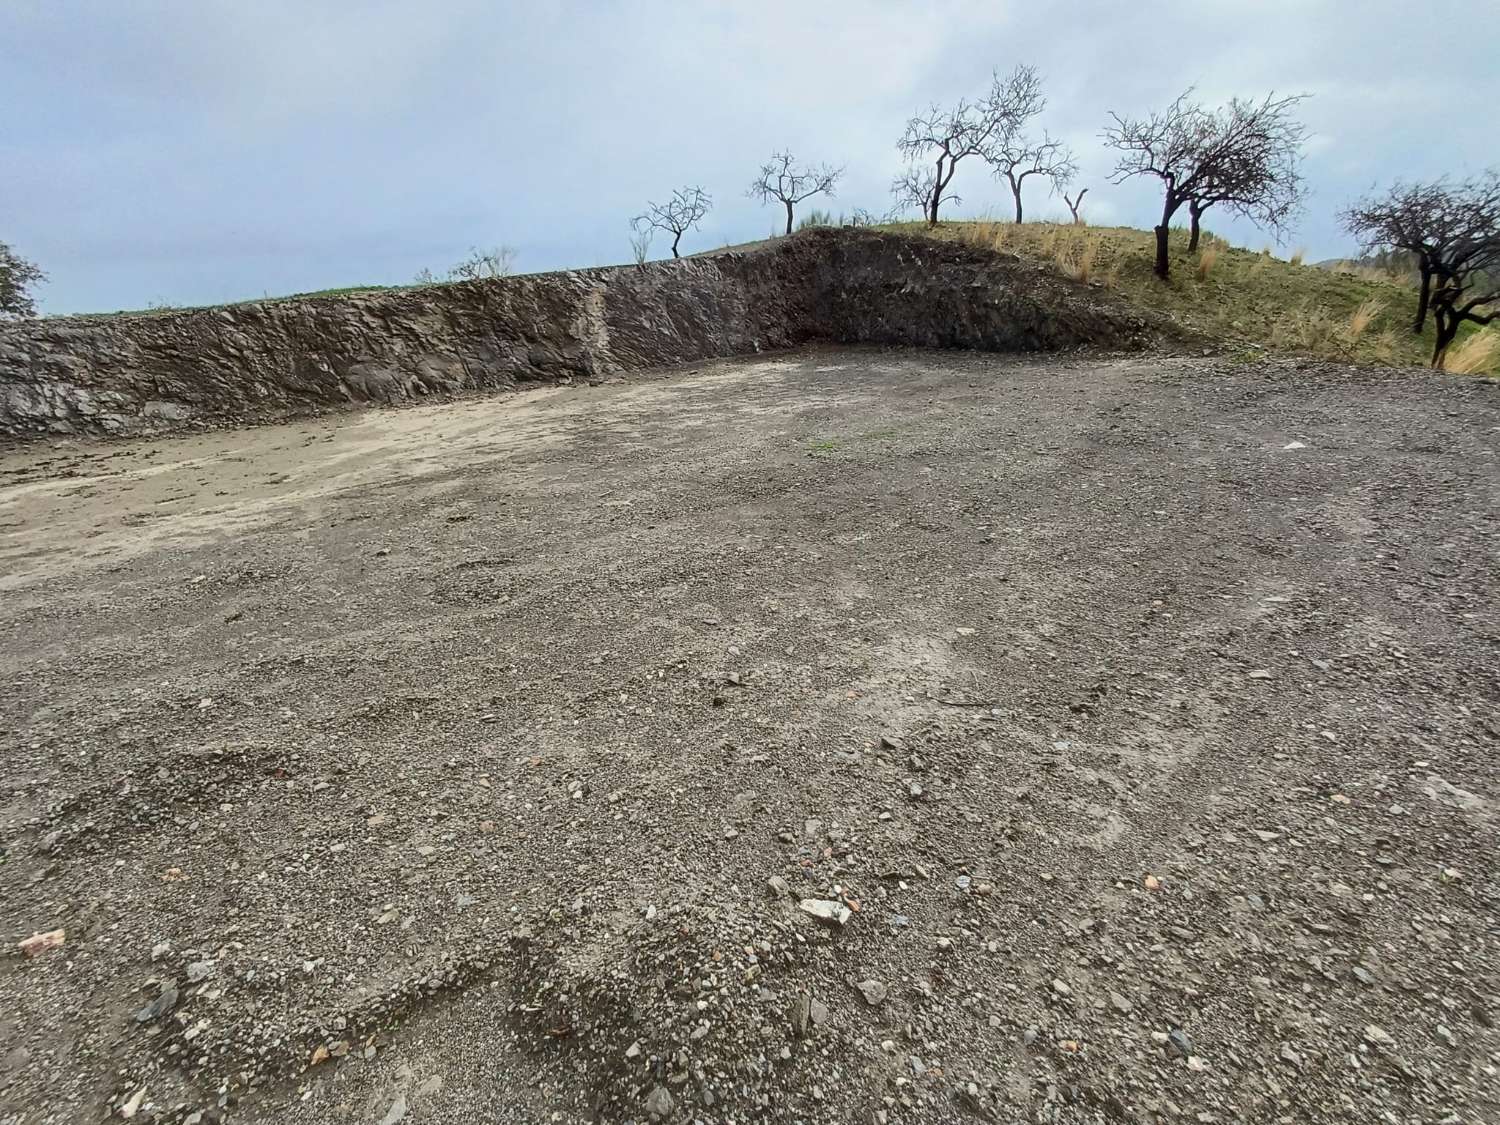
[482, 264]
[678, 215]
[478, 266]
[640, 243]
[941, 138]
[1420, 219]
[1244, 156]
[1262, 164]
[1011, 153]
[17, 276]
[782, 180]
[1453, 232]
[917, 187]
[1074, 203]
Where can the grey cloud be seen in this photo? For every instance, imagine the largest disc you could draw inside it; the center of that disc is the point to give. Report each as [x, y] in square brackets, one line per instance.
[214, 151]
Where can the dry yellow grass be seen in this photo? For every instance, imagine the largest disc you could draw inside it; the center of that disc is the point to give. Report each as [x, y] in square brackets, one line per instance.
[1298, 255]
[1206, 259]
[1479, 354]
[1078, 260]
[1361, 319]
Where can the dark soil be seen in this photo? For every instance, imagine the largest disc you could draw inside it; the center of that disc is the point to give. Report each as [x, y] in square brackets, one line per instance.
[470, 762]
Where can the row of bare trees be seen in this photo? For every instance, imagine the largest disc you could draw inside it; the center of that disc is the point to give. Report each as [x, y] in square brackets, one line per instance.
[996, 129]
[780, 180]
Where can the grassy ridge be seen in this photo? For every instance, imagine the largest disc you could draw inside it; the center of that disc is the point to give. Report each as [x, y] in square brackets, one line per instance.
[1243, 297]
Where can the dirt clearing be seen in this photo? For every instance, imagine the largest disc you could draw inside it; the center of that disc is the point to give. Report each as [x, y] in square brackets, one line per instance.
[517, 759]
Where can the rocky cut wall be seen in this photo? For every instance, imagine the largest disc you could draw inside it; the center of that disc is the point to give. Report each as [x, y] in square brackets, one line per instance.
[265, 360]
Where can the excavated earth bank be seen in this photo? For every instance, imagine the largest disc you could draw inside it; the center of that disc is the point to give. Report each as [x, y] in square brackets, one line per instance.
[133, 374]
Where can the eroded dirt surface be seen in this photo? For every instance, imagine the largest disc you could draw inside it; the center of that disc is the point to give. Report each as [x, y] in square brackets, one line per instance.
[471, 762]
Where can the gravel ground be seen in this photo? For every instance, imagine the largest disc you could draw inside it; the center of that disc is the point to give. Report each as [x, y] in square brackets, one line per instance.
[837, 736]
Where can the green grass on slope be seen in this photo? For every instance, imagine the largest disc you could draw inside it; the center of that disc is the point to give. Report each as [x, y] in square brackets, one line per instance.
[1228, 293]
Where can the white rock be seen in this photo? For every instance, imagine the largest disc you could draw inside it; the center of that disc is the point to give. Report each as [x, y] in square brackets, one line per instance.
[826, 910]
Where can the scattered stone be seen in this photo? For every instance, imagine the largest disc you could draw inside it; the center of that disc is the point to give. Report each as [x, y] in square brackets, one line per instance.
[1120, 1003]
[1267, 837]
[1061, 988]
[779, 887]
[1179, 1044]
[1259, 674]
[873, 991]
[40, 943]
[634, 1050]
[132, 1104]
[1378, 1036]
[659, 1103]
[199, 970]
[826, 910]
[817, 1012]
[963, 882]
[165, 1001]
[800, 1014]
[1287, 1055]
[1446, 1036]
[397, 1111]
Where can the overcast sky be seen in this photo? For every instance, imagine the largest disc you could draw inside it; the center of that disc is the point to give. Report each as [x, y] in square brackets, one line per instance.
[200, 151]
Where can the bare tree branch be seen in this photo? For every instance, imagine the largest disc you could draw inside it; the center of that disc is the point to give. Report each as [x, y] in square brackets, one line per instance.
[676, 216]
[917, 187]
[782, 180]
[1074, 203]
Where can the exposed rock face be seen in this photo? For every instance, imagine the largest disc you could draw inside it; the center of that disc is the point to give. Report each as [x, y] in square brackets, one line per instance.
[273, 359]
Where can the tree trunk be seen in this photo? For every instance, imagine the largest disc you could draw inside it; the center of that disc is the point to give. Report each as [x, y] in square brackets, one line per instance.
[1015, 190]
[1447, 322]
[676, 237]
[1424, 297]
[1162, 264]
[1194, 211]
[788, 203]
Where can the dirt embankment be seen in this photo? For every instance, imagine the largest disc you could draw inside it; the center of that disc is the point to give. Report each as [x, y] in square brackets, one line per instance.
[277, 359]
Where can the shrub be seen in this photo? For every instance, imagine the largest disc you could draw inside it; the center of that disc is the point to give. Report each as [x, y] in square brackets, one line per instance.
[816, 218]
[1206, 259]
[1361, 319]
[1078, 259]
